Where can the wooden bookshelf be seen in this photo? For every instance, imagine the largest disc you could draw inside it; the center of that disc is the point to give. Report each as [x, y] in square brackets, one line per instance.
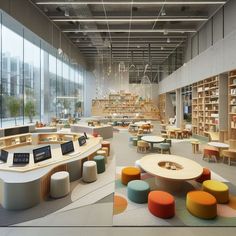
[205, 106]
[126, 104]
[232, 104]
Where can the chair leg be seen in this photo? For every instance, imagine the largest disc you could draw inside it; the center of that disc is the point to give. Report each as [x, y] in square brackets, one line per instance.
[229, 161]
[169, 151]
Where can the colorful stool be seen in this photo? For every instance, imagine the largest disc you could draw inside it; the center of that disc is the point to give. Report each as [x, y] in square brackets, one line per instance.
[89, 171]
[210, 153]
[161, 204]
[102, 153]
[137, 191]
[100, 160]
[201, 204]
[130, 173]
[106, 150]
[218, 189]
[206, 175]
[108, 145]
[164, 147]
[142, 146]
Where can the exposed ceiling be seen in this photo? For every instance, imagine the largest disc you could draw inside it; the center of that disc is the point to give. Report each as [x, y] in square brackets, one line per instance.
[134, 31]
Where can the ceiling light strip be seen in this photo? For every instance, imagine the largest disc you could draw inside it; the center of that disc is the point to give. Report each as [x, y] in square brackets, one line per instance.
[132, 30]
[134, 3]
[130, 20]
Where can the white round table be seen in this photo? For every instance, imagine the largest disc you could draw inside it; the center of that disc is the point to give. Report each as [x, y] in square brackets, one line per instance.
[169, 179]
[152, 139]
[140, 123]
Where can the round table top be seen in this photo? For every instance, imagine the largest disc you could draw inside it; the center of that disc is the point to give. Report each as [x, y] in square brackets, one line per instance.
[188, 169]
[152, 139]
[140, 123]
[218, 144]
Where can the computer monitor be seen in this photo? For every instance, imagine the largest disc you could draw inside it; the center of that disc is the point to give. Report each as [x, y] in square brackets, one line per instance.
[21, 158]
[67, 147]
[3, 156]
[42, 153]
[82, 140]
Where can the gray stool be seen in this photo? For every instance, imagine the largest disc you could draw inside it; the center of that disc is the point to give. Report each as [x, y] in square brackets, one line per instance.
[59, 184]
[164, 147]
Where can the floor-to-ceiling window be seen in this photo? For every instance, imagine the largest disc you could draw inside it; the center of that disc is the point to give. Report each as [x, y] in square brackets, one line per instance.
[37, 83]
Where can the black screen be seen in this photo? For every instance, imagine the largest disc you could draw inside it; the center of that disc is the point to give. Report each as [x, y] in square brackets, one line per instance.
[41, 154]
[16, 130]
[67, 147]
[21, 158]
[82, 140]
[3, 155]
[85, 135]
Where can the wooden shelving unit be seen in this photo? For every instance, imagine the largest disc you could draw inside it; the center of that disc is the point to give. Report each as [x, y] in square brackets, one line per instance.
[15, 140]
[46, 138]
[125, 104]
[205, 106]
[232, 104]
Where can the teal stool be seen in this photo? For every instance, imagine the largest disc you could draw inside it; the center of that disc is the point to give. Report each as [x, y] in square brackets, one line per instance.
[100, 160]
[137, 191]
[168, 141]
[131, 139]
[135, 141]
[139, 136]
[164, 147]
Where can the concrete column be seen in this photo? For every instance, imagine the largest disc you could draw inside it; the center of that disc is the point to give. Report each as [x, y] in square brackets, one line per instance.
[179, 108]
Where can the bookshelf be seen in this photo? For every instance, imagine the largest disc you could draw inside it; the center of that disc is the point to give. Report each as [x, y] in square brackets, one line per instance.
[205, 106]
[126, 104]
[15, 141]
[232, 104]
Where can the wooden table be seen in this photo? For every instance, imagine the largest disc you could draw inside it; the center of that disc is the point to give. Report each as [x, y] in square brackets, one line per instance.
[152, 139]
[168, 179]
[219, 146]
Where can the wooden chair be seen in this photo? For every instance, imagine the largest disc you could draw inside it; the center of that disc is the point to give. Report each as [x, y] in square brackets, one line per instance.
[211, 153]
[230, 154]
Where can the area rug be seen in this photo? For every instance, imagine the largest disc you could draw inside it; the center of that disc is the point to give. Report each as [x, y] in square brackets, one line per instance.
[127, 213]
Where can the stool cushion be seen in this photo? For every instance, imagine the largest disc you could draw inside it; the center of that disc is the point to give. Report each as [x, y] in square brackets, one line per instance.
[138, 190]
[59, 184]
[201, 204]
[100, 160]
[206, 175]
[218, 189]
[161, 204]
[89, 171]
[130, 173]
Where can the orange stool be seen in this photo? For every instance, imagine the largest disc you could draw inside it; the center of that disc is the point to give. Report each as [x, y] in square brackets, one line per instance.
[108, 145]
[206, 175]
[201, 204]
[130, 173]
[161, 204]
[95, 135]
[172, 134]
[209, 153]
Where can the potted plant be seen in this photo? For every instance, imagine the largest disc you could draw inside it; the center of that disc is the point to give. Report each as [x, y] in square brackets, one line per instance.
[14, 107]
[30, 110]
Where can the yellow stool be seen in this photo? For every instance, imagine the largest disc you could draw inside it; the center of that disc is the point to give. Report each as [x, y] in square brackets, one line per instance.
[218, 189]
[201, 204]
[102, 153]
[130, 173]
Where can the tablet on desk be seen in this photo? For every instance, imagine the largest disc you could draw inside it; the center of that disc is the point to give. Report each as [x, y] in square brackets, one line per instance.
[42, 153]
[21, 159]
[3, 156]
[67, 147]
[82, 140]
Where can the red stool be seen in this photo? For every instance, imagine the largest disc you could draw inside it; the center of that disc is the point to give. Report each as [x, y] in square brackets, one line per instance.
[206, 175]
[211, 153]
[161, 204]
[95, 135]
[108, 145]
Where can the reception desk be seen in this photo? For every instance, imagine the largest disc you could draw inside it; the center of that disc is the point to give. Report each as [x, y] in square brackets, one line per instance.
[106, 131]
[22, 187]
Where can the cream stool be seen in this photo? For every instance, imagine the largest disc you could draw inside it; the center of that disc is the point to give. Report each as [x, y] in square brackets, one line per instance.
[89, 171]
[59, 184]
[106, 150]
[102, 153]
[142, 146]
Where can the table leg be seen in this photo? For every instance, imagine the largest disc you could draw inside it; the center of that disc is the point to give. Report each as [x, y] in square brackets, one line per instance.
[168, 185]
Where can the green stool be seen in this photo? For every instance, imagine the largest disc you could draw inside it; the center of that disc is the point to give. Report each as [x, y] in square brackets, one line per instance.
[168, 141]
[100, 160]
[139, 136]
[164, 147]
[135, 141]
[137, 191]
